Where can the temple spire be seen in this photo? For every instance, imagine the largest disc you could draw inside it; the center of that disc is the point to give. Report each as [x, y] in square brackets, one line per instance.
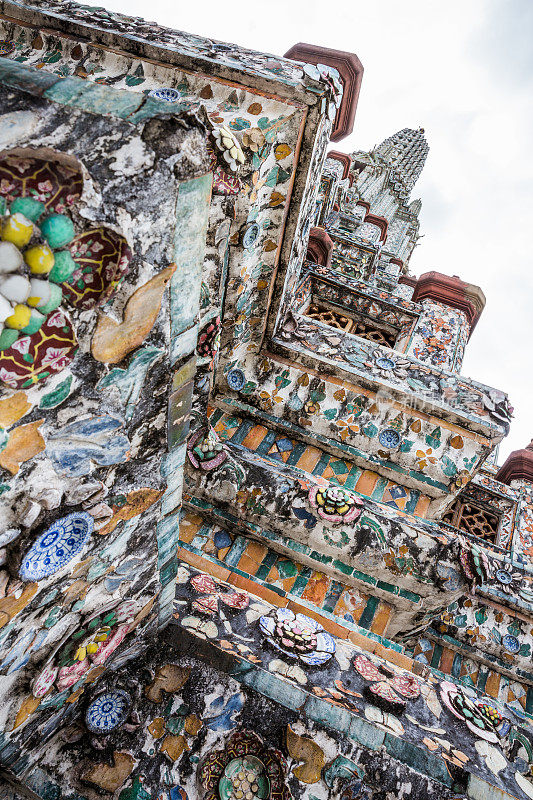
[406, 152]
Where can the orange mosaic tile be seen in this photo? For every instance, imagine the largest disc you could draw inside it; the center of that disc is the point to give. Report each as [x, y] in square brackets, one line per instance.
[492, 687]
[446, 660]
[254, 437]
[251, 559]
[422, 506]
[381, 619]
[352, 602]
[286, 584]
[316, 589]
[309, 459]
[362, 641]
[393, 657]
[340, 471]
[203, 564]
[367, 482]
[190, 524]
[257, 589]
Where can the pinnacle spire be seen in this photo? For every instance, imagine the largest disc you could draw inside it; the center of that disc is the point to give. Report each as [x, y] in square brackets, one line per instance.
[406, 152]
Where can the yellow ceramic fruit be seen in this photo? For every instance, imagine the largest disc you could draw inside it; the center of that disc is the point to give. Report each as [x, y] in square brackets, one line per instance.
[17, 229]
[19, 318]
[39, 259]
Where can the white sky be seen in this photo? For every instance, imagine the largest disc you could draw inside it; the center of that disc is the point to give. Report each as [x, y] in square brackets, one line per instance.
[463, 70]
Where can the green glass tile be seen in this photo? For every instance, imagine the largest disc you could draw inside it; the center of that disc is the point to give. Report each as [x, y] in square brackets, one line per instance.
[418, 759]
[409, 595]
[270, 685]
[266, 444]
[366, 578]
[344, 568]
[34, 81]
[152, 108]
[483, 674]
[286, 568]
[365, 620]
[387, 587]
[379, 488]
[436, 655]
[320, 557]
[529, 700]
[236, 550]
[353, 477]
[339, 467]
[366, 734]
[322, 464]
[301, 582]
[242, 432]
[414, 497]
[296, 453]
[339, 719]
[215, 416]
[94, 97]
[266, 564]
[299, 548]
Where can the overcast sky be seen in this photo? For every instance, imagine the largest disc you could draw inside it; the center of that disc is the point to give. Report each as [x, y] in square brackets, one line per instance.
[463, 70]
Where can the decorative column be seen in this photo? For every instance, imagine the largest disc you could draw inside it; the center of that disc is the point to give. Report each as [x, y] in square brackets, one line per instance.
[450, 311]
[517, 472]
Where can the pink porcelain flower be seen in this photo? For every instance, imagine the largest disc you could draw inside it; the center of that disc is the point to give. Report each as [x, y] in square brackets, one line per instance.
[336, 504]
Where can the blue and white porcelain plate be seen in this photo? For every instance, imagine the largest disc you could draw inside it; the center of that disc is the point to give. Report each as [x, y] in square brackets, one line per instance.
[56, 546]
[168, 95]
[236, 379]
[108, 711]
[389, 438]
[504, 577]
[385, 363]
[511, 643]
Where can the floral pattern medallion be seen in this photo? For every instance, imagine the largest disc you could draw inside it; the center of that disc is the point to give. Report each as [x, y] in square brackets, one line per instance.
[205, 451]
[209, 603]
[298, 636]
[393, 691]
[108, 711]
[336, 504]
[56, 546]
[481, 718]
[45, 265]
[245, 769]
[90, 645]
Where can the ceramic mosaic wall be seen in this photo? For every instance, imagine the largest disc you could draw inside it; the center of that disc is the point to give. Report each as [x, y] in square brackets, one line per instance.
[223, 572]
[84, 571]
[343, 472]
[435, 456]
[183, 718]
[440, 337]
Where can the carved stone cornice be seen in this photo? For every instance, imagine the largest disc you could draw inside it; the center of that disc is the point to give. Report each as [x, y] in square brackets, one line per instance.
[320, 247]
[350, 70]
[344, 159]
[518, 466]
[451, 291]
